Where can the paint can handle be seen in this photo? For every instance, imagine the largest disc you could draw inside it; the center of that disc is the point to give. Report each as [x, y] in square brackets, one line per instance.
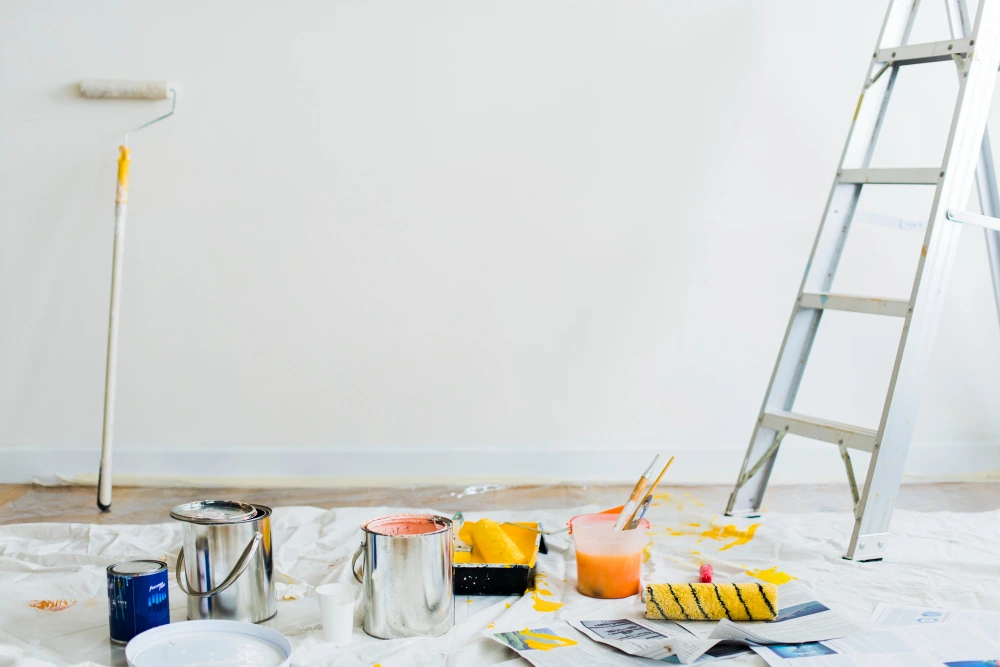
[354, 564]
[240, 566]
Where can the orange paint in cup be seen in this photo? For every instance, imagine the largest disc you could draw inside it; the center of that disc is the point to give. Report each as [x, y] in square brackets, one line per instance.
[608, 562]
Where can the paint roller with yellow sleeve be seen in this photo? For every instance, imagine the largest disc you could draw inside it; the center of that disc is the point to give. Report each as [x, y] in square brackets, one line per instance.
[490, 543]
[711, 602]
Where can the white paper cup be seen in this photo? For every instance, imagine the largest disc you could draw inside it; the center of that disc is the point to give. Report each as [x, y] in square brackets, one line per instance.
[336, 605]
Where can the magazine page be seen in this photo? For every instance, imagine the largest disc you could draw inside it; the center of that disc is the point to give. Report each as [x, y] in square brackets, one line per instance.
[886, 616]
[664, 641]
[559, 645]
[910, 646]
[801, 618]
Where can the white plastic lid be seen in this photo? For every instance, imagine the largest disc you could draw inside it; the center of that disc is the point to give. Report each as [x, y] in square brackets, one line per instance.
[216, 643]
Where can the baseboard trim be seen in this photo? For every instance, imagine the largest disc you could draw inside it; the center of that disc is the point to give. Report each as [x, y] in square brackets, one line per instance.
[362, 466]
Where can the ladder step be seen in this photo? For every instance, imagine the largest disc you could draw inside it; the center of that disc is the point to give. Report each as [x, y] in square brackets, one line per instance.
[895, 221]
[855, 304]
[915, 54]
[854, 437]
[906, 176]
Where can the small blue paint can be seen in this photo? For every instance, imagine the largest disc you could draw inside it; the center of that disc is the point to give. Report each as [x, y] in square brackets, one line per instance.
[137, 598]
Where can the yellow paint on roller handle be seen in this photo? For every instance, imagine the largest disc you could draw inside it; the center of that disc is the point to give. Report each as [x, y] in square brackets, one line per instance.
[121, 195]
[541, 641]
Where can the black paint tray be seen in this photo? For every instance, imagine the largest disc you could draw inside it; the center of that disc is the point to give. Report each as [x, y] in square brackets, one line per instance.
[502, 579]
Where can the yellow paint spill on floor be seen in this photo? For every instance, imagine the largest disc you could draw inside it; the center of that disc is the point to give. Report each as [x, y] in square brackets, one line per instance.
[547, 643]
[771, 575]
[491, 626]
[739, 537]
[544, 605]
[647, 552]
[717, 532]
[537, 591]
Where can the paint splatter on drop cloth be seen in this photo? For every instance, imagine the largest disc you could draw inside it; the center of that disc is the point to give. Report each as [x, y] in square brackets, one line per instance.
[544, 605]
[52, 605]
[739, 537]
[771, 575]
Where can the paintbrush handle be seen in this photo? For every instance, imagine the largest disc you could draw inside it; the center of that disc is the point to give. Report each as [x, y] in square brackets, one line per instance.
[626, 515]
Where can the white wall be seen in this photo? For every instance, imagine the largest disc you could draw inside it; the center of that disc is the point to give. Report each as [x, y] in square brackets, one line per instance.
[463, 238]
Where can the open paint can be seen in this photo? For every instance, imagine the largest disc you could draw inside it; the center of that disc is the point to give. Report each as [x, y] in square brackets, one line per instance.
[225, 565]
[407, 576]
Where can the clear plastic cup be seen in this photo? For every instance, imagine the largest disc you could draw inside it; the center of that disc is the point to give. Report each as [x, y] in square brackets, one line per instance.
[608, 562]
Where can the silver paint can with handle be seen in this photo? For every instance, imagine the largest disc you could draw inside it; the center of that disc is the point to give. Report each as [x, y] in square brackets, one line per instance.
[225, 564]
[406, 574]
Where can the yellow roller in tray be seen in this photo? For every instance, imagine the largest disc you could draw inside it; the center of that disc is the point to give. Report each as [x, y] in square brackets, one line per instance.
[491, 543]
[493, 567]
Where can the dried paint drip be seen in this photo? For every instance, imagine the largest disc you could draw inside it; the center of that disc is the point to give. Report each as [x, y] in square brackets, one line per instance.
[537, 592]
[771, 575]
[543, 605]
[52, 605]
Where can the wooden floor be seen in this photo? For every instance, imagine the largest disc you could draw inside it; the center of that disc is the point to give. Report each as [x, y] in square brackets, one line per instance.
[21, 503]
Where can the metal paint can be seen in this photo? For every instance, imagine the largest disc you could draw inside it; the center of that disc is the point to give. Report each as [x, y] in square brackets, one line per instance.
[225, 566]
[138, 598]
[407, 576]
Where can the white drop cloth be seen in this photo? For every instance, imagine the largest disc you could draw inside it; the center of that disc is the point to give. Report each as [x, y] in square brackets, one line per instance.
[935, 559]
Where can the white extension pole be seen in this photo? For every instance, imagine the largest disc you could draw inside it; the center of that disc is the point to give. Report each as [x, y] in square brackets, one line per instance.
[107, 436]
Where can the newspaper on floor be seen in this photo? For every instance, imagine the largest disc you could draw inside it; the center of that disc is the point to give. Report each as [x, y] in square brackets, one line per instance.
[801, 618]
[664, 641]
[889, 616]
[905, 646]
[559, 645]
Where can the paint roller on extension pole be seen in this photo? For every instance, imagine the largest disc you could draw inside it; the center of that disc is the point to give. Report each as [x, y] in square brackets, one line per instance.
[119, 90]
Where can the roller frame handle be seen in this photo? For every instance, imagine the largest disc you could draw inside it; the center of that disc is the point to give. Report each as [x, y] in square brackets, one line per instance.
[104, 476]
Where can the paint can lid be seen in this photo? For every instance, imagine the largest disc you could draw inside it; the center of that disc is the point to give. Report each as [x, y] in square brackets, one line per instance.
[222, 643]
[214, 511]
[137, 567]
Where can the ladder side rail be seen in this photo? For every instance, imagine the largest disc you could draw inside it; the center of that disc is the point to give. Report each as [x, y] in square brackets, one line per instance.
[989, 204]
[986, 178]
[885, 472]
[818, 276]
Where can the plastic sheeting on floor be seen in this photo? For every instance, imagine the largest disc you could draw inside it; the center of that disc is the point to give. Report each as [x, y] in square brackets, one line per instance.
[935, 559]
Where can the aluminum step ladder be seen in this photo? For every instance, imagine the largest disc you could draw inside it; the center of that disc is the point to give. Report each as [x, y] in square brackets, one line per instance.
[967, 160]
